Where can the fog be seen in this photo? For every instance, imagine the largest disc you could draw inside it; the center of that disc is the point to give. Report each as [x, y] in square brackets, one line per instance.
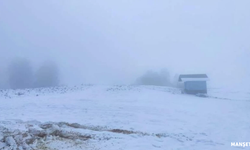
[115, 42]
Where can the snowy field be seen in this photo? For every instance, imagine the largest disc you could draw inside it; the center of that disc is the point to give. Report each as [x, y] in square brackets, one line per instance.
[122, 118]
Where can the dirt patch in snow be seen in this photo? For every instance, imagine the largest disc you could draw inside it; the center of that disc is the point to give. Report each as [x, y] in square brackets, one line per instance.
[58, 135]
[34, 136]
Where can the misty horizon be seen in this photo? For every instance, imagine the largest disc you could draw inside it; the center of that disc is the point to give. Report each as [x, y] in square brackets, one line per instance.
[115, 42]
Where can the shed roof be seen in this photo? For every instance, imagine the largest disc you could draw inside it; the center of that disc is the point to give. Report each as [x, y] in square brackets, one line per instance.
[193, 77]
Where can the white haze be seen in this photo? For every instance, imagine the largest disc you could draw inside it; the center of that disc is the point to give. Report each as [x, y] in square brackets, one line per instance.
[114, 42]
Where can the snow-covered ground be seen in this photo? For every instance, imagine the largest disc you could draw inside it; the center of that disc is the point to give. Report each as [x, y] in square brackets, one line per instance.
[122, 118]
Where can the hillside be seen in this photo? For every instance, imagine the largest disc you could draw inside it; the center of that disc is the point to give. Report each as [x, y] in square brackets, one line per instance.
[122, 118]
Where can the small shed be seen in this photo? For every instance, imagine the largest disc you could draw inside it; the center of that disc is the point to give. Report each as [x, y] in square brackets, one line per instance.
[193, 83]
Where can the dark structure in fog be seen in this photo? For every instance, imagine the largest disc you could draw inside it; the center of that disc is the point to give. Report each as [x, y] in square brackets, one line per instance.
[193, 83]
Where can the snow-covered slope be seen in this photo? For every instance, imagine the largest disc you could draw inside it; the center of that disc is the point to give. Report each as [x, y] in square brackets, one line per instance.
[122, 118]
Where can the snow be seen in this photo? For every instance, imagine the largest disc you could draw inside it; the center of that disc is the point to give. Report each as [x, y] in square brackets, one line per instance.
[125, 118]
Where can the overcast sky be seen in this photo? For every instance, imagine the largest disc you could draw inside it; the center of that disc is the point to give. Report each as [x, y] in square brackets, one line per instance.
[114, 41]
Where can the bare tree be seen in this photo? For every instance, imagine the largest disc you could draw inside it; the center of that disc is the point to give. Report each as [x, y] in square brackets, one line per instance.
[176, 80]
[3, 82]
[155, 78]
[47, 75]
[20, 74]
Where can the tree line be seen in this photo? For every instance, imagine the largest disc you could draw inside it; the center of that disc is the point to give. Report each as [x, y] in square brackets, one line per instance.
[20, 75]
[161, 78]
